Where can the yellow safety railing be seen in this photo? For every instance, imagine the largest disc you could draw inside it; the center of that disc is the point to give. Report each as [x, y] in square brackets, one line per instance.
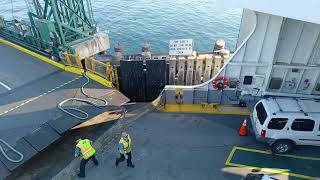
[72, 60]
[104, 70]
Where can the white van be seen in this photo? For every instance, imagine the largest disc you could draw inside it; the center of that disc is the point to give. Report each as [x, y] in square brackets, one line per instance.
[286, 122]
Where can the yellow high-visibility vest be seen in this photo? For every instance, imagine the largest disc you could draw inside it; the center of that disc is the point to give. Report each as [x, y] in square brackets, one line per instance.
[126, 144]
[86, 149]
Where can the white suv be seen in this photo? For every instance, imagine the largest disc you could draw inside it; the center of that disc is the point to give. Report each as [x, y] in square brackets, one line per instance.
[286, 122]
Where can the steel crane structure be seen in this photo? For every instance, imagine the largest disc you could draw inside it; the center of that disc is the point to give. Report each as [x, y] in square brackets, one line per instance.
[57, 25]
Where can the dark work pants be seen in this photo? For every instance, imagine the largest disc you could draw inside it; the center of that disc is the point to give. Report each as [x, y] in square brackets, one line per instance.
[84, 162]
[122, 158]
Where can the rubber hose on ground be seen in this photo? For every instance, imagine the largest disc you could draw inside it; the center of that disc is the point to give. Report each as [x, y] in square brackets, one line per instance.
[82, 115]
[14, 150]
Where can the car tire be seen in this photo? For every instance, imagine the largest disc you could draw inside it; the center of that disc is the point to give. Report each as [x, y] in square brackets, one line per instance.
[282, 147]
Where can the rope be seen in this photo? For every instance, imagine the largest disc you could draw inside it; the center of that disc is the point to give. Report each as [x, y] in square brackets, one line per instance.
[14, 150]
[82, 115]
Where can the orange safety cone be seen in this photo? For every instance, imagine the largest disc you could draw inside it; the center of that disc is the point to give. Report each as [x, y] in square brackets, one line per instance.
[243, 128]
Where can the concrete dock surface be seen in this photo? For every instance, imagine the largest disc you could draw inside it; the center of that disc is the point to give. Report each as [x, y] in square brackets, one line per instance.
[174, 146]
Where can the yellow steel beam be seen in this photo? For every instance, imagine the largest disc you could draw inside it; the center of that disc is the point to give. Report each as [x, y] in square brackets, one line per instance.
[67, 58]
[93, 64]
[78, 60]
[116, 77]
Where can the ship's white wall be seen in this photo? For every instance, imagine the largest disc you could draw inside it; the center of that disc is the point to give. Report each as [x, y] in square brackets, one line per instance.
[288, 40]
[315, 55]
[307, 40]
[255, 57]
[270, 39]
[296, 42]
[255, 43]
[296, 60]
[248, 21]
[281, 49]
[307, 10]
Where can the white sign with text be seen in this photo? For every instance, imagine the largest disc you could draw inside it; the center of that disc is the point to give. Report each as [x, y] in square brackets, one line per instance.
[180, 47]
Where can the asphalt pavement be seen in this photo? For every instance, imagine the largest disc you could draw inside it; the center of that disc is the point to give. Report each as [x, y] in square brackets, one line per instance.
[179, 146]
[18, 69]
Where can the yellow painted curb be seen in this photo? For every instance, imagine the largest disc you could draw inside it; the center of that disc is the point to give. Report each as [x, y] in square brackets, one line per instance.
[99, 79]
[31, 53]
[276, 171]
[74, 70]
[205, 108]
[61, 66]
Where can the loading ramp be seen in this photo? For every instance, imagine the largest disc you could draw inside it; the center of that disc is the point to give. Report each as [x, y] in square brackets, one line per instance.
[29, 118]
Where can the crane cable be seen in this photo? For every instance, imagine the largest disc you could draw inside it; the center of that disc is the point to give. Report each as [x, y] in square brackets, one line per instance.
[14, 150]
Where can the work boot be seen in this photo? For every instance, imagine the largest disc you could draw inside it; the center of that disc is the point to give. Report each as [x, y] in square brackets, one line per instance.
[131, 165]
[117, 162]
[81, 176]
[96, 163]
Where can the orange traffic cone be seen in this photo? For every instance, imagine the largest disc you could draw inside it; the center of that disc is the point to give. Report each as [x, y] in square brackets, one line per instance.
[243, 128]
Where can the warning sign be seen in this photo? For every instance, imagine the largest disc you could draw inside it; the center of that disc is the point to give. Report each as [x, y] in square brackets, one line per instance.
[180, 47]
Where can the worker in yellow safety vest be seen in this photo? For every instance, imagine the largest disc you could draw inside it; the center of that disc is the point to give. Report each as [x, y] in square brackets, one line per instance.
[124, 148]
[84, 148]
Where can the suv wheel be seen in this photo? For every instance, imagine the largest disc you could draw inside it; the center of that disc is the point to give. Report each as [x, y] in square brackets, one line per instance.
[282, 147]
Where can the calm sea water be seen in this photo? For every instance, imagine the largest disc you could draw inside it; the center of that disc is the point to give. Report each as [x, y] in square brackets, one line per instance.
[133, 22]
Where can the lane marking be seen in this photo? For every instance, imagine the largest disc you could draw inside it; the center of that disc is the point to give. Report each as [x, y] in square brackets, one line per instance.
[5, 86]
[283, 155]
[37, 97]
[75, 70]
[276, 171]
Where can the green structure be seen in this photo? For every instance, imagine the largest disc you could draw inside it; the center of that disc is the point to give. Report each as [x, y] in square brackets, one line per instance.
[57, 26]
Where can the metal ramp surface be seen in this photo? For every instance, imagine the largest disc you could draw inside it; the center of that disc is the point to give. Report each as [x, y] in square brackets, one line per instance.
[29, 118]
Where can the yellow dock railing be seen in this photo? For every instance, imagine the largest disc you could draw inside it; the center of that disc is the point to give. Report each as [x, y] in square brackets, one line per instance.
[104, 70]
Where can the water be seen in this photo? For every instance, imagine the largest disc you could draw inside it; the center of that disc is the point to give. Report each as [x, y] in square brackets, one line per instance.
[132, 22]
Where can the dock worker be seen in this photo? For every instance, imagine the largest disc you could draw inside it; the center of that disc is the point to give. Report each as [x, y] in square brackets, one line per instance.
[124, 148]
[85, 149]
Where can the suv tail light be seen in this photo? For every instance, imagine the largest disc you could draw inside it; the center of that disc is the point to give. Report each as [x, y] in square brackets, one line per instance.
[263, 133]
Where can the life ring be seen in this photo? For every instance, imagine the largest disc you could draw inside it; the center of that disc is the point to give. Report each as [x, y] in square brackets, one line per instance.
[220, 83]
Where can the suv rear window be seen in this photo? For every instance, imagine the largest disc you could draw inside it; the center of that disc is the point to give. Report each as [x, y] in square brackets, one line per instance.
[302, 125]
[277, 123]
[261, 113]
